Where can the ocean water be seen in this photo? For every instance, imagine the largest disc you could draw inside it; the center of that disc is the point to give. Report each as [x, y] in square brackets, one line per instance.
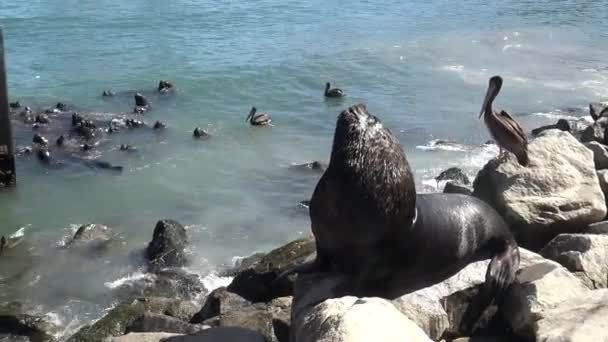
[421, 66]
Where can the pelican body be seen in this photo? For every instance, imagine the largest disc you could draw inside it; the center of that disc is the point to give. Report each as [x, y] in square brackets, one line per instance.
[507, 133]
[335, 92]
[258, 120]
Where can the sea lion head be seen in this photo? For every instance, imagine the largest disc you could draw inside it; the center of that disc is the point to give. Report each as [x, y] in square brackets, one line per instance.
[370, 156]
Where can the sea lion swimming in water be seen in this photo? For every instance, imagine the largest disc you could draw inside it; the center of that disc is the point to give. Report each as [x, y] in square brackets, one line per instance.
[370, 224]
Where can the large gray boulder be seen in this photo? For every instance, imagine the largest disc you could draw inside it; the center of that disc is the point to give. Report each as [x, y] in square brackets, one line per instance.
[352, 319]
[272, 319]
[580, 319]
[586, 255]
[539, 286]
[142, 337]
[558, 192]
[167, 248]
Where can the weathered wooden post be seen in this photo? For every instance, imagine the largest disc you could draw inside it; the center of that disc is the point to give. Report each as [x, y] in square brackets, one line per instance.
[7, 158]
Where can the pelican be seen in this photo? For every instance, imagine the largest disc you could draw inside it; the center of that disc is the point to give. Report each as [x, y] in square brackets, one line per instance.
[335, 92]
[507, 133]
[258, 120]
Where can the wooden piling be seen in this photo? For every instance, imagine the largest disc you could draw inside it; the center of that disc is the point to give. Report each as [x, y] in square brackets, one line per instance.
[7, 159]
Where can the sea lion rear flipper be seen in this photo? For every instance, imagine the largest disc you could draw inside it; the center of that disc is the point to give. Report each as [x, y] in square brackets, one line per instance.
[499, 276]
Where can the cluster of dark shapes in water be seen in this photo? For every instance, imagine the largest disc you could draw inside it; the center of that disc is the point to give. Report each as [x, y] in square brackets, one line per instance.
[84, 133]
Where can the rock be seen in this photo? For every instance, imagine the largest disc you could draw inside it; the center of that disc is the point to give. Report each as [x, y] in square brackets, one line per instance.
[61, 106]
[586, 255]
[255, 319]
[538, 287]
[597, 228]
[455, 188]
[176, 283]
[577, 319]
[558, 192]
[562, 125]
[108, 93]
[595, 131]
[167, 248]
[40, 140]
[151, 322]
[115, 322]
[86, 147]
[140, 100]
[92, 232]
[600, 154]
[351, 319]
[16, 324]
[159, 125]
[143, 337]
[454, 174]
[42, 119]
[60, 141]
[221, 334]
[220, 301]
[14, 105]
[200, 134]
[256, 284]
[164, 86]
[223, 308]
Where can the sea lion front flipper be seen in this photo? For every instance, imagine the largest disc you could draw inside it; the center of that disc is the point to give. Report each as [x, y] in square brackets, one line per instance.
[320, 264]
[499, 276]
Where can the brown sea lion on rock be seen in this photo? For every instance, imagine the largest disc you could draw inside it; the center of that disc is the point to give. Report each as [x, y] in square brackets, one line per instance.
[369, 222]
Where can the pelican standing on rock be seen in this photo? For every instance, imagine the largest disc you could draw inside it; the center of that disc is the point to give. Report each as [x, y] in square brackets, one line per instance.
[258, 120]
[507, 133]
[335, 92]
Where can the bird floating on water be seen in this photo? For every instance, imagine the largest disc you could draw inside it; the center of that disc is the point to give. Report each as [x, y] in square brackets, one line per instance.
[507, 133]
[333, 92]
[258, 120]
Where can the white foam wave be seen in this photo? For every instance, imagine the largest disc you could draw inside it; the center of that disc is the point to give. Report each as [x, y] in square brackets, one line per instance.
[212, 281]
[559, 114]
[457, 68]
[439, 144]
[128, 280]
[20, 232]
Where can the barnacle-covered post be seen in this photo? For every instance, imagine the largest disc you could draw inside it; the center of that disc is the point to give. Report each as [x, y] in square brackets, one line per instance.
[7, 158]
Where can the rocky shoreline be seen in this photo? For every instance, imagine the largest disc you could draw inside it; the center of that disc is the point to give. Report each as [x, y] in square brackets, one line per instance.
[556, 207]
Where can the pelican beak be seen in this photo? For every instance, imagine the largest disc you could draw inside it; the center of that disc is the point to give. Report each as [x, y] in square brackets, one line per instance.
[486, 100]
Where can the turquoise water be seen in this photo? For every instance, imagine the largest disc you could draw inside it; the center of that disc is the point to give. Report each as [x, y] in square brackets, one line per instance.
[421, 66]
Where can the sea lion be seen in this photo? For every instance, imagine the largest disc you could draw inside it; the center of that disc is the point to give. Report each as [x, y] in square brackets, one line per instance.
[370, 224]
[200, 133]
[158, 125]
[2, 244]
